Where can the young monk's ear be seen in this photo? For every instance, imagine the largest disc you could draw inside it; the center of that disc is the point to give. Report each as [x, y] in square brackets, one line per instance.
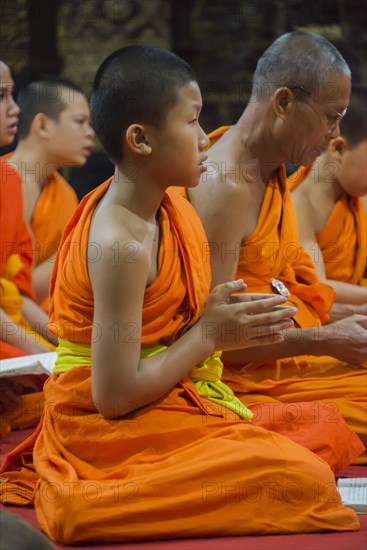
[40, 126]
[337, 148]
[281, 99]
[137, 140]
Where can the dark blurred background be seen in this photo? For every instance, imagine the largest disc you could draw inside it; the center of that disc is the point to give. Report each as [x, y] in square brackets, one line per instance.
[221, 39]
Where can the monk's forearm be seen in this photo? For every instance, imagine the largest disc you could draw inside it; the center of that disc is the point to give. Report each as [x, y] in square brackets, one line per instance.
[260, 354]
[13, 334]
[41, 276]
[297, 341]
[342, 311]
[37, 319]
[347, 293]
[154, 378]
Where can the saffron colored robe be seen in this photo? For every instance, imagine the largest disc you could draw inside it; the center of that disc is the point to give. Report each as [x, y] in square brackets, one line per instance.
[17, 253]
[54, 208]
[273, 251]
[343, 240]
[175, 467]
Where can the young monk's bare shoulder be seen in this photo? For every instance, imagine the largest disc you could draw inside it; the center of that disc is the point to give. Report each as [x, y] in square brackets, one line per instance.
[121, 237]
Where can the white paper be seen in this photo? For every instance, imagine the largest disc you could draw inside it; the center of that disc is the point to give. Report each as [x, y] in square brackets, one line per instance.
[353, 492]
[41, 363]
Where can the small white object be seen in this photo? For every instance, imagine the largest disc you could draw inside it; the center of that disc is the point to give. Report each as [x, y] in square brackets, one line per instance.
[40, 363]
[353, 492]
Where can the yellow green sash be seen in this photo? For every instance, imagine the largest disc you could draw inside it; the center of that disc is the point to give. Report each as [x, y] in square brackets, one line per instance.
[206, 375]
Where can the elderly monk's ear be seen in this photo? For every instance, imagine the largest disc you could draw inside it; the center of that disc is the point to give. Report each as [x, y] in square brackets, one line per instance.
[40, 126]
[337, 147]
[137, 141]
[282, 98]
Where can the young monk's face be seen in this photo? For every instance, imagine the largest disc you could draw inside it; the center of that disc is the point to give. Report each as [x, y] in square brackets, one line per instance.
[9, 110]
[352, 170]
[315, 120]
[178, 148]
[70, 138]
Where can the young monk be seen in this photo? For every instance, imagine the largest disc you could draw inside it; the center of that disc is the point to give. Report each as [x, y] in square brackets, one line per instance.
[54, 132]
[301, 90]
[140, 439]
[23, 324]
[330, 208]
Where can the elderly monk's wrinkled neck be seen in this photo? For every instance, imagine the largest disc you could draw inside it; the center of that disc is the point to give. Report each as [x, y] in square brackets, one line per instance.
[259, 151]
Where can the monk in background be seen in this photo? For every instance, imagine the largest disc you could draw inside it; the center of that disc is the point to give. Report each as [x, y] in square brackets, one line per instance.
[54, 132]
[330, 208]
[140, 439]
[300, 93]
[23, 324]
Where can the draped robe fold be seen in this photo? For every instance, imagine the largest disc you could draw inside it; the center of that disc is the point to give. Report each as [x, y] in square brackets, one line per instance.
[343, 239]
[55, 207]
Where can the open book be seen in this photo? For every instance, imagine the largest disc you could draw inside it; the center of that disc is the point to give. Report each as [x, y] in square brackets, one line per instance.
[41, 363]
[353, 492]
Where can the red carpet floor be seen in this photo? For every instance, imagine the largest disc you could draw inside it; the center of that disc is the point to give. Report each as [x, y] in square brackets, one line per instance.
[323, 541]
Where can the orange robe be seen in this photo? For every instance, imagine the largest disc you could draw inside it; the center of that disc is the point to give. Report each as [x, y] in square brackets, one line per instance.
[14, 235]
[343, 240]
[55, 207]
[175, 467]
[17, 253]
[273, 251]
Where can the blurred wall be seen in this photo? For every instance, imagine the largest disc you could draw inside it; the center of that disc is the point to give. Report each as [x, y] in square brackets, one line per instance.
[221, 39]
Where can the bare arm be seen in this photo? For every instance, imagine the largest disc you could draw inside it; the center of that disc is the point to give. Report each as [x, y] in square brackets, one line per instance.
[13, 334]
[220, 208]
[121, 380]
[345, 340]
[341, 311]
[226, 227]
[37, 319]
[345, 293]
[297, 344]
[41, 275]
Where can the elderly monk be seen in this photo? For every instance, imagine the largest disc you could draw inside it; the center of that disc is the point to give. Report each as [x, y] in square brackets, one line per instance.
[140, 438]
[330, 208]
[54, 132]
[300, 93]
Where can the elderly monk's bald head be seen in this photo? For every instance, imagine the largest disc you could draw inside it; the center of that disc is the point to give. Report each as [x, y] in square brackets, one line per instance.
[302, 59]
